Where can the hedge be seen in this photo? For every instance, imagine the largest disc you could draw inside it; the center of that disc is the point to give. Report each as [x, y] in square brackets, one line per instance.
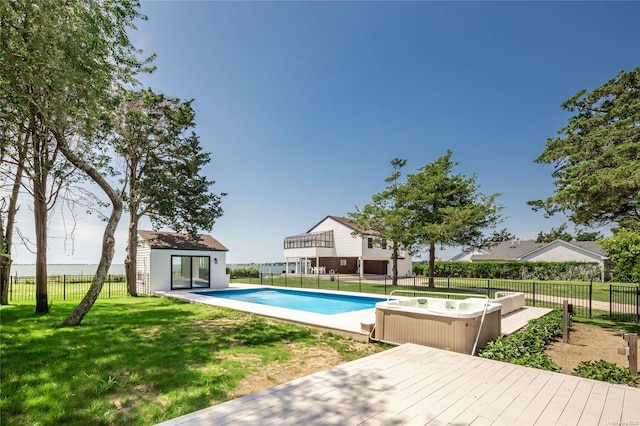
[556, 271]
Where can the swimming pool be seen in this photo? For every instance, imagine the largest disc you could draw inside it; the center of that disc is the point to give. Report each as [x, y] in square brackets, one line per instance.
[308, 301]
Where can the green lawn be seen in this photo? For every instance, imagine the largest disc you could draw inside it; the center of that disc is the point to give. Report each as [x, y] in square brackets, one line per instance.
[139, 360]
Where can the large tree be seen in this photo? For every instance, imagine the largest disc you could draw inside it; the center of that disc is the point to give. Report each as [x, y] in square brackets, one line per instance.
[385, 218]
[559, 233]
[597, 156]
[623, 249]
[163, 169]
[447, 209]
[62, 61]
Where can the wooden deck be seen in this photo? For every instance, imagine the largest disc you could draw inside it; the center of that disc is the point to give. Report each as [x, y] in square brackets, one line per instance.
[418, 385]
[516, 320]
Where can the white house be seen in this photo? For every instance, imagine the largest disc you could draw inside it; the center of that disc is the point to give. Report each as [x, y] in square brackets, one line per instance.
[531, 251]
[171, 261]
[331, 246]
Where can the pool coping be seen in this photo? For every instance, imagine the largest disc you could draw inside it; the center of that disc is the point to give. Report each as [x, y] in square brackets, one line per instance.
[355, 324]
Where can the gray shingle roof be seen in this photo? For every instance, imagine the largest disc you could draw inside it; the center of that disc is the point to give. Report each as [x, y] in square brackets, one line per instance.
[513, 250]
[509, 250]
[174, 240]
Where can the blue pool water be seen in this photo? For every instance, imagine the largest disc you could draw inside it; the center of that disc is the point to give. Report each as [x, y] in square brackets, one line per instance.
[319, 303]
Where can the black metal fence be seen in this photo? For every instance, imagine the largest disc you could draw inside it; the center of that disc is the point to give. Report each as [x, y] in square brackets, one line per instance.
[624, 303]
[65, 287]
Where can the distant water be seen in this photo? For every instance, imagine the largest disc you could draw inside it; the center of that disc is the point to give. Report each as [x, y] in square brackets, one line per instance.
[23, 270]
[265, 268]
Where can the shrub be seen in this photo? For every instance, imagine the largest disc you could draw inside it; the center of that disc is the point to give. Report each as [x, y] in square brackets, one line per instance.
[526, 347]
[606, 372]
[561, 271]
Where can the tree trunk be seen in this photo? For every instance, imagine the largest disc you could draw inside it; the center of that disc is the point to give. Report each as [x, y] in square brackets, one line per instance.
[7, 236]
[432, 261]
[108, 240]
[5, 265]
[394, 266]
[40, 218]
[132, 254]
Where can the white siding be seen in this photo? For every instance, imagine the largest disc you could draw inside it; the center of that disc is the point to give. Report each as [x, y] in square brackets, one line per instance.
[309, 252]
[161, 267]
[405, 267]
[560, 254]
[345, 244]
[143, 267]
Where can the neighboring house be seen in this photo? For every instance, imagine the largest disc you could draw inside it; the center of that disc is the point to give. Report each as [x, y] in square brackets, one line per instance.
[531, 251]
[171, 261]
[331, 246]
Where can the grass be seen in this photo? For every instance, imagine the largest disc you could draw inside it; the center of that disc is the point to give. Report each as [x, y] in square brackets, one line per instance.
[137, 361]
[601, 319]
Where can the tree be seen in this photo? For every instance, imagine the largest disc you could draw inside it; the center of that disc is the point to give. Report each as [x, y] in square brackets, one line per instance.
[29, 149]
[385, 217]
[559, 233]
[9, 209]
[597, 156]
[163, 166]
[624, 251]
[501, 236]
[62, 61]
[583, 235]
[448, 209]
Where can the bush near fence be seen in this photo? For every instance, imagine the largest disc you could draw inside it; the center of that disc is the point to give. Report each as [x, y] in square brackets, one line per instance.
[543, 271]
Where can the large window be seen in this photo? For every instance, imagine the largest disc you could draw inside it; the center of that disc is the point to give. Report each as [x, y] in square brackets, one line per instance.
[314, 239]
[190, 272]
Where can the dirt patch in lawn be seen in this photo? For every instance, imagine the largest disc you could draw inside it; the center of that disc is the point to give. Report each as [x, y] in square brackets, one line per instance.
[587, 343]
[305, 360]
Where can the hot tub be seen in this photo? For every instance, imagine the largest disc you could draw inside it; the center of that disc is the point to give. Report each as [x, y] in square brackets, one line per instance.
[439, 323]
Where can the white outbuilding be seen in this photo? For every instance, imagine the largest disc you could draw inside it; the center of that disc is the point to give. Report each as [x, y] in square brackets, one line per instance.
[173, 261]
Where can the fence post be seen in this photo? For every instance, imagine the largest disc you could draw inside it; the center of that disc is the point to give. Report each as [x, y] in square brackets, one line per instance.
[590, 297]
[64, 287]
[488, 287]
[10, 287]
[638, 304]
[610, 301]
[565, 321]
[359, 283]
[448, 282]
[534, 293]
[338, 275]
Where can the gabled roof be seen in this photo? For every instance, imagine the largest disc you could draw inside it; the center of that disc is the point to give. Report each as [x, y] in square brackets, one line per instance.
[516, 250]
[349, 223]
[589, 248]
[176, 241]
[509, 250]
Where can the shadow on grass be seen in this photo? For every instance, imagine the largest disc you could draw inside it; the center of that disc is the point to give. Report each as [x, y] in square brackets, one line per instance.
[149, 358]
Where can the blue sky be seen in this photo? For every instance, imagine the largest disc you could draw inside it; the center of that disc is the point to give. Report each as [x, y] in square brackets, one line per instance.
[303, 104]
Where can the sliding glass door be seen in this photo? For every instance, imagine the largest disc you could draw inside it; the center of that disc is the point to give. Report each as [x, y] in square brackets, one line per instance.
[190, 272]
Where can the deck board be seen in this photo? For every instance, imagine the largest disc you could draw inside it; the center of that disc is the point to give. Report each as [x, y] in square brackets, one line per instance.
[516, 320]
[417, 385]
